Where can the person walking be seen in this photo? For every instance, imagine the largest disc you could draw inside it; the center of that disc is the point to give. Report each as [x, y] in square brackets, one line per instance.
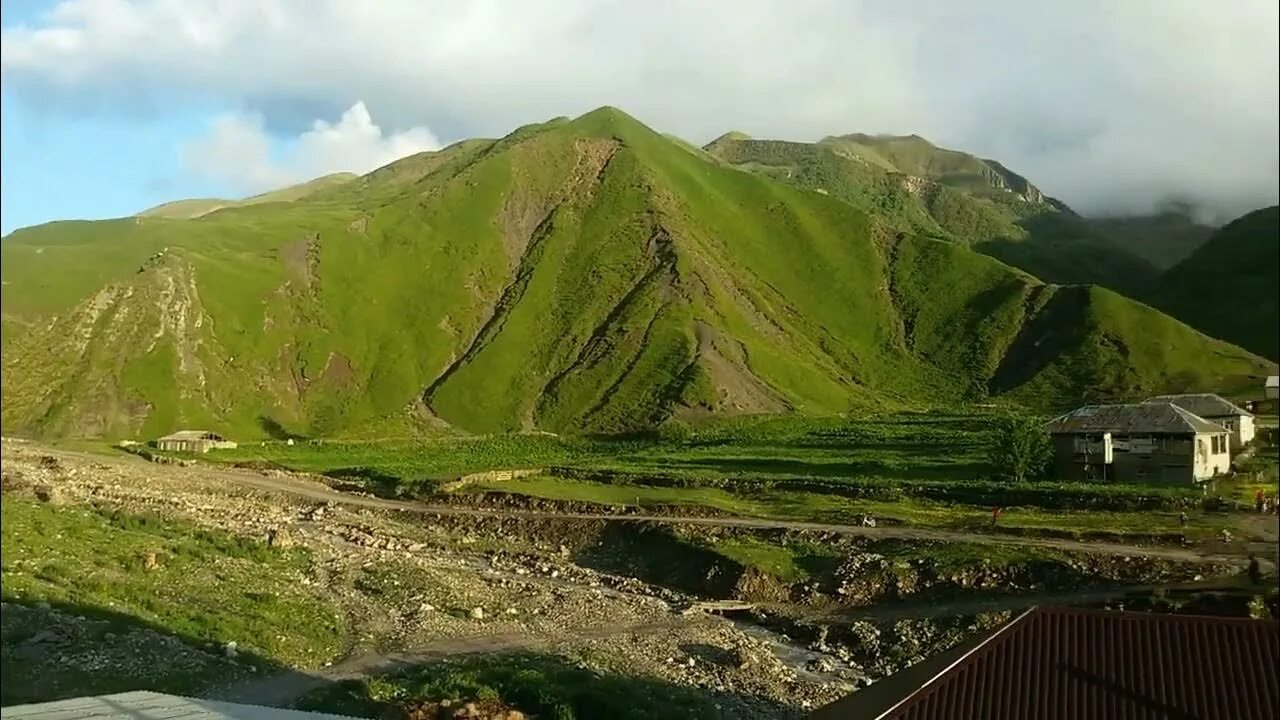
[1182, 518]
[1259, 499]
[1255, 571]
[995, 514]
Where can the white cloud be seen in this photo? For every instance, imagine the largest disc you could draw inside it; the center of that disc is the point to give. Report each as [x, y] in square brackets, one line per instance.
[1107, 104]
[238, 151]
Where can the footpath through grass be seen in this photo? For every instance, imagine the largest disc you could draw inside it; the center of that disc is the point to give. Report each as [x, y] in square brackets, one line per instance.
[834, 509]
[541, 685]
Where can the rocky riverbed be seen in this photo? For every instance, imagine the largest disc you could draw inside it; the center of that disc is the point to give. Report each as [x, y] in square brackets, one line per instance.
[607, 594]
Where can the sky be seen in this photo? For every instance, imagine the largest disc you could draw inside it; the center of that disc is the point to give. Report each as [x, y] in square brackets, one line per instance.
[108, 107]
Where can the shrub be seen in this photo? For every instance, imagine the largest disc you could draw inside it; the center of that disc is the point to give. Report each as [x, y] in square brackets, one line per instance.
[1021, 450]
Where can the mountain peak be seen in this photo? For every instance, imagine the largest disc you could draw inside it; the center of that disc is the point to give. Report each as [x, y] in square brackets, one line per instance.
[605, 113]
[594, 276]
[730, 136]
[608, 121]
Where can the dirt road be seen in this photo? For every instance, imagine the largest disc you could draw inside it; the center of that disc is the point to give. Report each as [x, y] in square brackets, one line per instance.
[284, 688]
[301, 487]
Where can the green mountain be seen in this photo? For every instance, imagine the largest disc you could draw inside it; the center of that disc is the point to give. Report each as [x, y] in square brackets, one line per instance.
[921, 188]
[579, 275]
[1163, 239]
[1228, 287]
[193, 208]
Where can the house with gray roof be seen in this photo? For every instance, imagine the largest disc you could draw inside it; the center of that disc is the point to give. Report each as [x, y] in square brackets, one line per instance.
[193, 441]
[1216, 409]
[1154, 441]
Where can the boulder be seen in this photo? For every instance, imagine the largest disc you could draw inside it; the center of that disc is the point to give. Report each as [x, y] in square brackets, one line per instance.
[280, 537]
[48, 493]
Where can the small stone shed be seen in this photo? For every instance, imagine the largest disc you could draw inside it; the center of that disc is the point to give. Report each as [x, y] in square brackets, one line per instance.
[193, 441]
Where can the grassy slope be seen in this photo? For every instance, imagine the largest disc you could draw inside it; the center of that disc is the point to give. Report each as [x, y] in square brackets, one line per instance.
[1163, 239]
[209, 587]
[575, 275]
[1228, 286]
[193, 208]
[918, 187]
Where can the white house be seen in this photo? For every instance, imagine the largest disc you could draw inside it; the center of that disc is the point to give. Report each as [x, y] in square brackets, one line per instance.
[1215, 409]
[1273, 387]
[1143, 442]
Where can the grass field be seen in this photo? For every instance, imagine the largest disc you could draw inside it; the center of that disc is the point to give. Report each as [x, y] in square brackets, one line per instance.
[542, 685]
[923, 469]
[839, 510]
[1261, 471]
[205, 589]
[903, 446]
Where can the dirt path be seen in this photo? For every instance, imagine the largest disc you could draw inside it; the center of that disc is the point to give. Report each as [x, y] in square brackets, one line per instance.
[300, 487]
[284, 688]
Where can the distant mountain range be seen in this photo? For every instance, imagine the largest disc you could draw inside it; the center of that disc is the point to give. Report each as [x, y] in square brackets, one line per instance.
[588, 275]
[1229, 286]
[913, 185]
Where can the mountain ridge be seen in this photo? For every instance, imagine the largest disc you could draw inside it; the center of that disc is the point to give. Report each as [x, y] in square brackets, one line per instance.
[1227, 286]
[196, 207]
[920, 187]
[588, 275]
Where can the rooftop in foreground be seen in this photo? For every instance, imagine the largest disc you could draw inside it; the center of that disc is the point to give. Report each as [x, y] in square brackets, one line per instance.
[1061, 664]
[146, 705]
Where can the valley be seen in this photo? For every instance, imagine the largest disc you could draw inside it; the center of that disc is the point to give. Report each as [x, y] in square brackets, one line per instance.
[341, 589]
[590, 421]
[579, 276]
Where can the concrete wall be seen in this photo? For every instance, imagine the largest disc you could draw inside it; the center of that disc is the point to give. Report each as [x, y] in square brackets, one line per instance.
[194, 445]
[191, 446]
[489, 476]
[1208, 462]
[1245, 434]
[1241, 428]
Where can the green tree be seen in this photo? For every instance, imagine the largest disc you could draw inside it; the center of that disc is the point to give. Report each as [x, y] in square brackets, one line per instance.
[1021, 450]
[675, 432]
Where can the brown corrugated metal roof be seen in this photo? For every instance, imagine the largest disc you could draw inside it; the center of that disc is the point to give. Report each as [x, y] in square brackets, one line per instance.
[1149, 417]
[1064, 664]
[1206, 405]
